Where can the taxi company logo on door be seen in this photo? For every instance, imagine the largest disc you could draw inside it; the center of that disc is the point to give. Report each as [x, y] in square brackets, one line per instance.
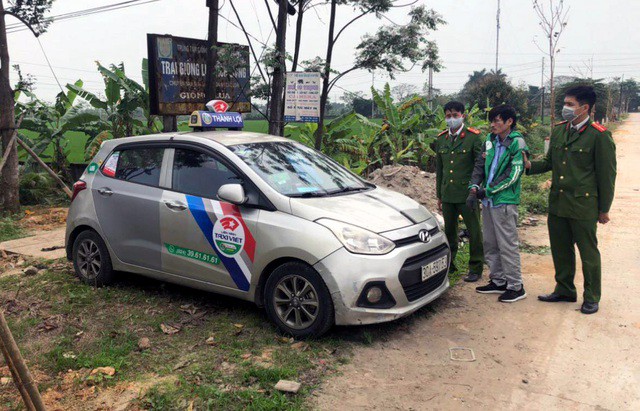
[228, 235]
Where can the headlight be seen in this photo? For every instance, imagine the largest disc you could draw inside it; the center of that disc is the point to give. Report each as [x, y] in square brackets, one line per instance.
[358, 240]
[439, 220]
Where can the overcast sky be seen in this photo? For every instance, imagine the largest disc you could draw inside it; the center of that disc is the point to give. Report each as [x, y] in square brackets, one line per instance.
[605, 31]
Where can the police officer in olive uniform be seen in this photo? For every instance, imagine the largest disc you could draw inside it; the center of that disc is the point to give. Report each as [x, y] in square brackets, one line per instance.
[582, 158]
[456, 151]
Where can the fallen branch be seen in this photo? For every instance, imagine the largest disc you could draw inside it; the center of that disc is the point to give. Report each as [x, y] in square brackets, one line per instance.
[9, 147]
[21, 375]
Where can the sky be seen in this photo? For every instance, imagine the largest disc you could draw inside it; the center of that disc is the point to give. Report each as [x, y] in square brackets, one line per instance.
[602, 32]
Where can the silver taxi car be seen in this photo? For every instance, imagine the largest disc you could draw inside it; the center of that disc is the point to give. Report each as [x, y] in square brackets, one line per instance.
[260, 218]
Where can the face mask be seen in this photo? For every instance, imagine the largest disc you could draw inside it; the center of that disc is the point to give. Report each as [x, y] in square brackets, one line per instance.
[569, 113]
[454, 122]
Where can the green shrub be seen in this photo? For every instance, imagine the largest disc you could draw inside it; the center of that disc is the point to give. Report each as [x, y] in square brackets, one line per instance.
[40, 189]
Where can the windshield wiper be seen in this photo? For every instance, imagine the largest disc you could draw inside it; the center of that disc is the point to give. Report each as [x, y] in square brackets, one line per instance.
[309, 194]
[348, 190]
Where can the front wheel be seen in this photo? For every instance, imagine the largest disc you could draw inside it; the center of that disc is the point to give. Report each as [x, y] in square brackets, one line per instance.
[298, 301]
[91, 259]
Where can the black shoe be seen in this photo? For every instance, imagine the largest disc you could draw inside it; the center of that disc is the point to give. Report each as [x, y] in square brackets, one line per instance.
[472, 277]
[511, 296]
[589, 308]
[556, 298]
[492, 288]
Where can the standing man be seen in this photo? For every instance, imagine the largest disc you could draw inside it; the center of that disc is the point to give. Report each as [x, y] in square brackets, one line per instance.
[457, 149]
[496, 180]
[582, 159]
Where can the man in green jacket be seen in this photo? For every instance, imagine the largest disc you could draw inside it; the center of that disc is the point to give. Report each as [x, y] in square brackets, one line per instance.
[582, 159]
[457, 149]
[496, 177]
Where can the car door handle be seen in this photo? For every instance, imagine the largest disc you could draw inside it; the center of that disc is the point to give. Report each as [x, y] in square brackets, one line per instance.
[175, 205]
[105, 191]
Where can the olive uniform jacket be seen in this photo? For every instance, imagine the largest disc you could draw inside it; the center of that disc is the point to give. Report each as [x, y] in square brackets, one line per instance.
[583, 163]
[454, 163]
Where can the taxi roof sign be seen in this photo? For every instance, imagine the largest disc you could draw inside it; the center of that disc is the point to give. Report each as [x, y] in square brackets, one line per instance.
[201, 120]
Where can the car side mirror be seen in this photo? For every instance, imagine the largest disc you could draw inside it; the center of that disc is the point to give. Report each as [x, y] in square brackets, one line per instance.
[232, 193]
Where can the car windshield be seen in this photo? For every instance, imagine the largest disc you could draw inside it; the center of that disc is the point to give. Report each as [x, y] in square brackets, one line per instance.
[298, 171]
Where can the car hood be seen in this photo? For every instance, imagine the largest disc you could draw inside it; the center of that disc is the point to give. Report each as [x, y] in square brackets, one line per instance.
[378, 210]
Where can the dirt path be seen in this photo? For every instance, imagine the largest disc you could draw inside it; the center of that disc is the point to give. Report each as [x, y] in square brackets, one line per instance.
[530, 355]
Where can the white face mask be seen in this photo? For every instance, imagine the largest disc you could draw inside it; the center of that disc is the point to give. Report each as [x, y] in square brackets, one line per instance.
[454, 122]
[569, 114]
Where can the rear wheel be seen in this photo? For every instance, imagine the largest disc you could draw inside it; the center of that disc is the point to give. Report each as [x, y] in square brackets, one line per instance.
[91, 259]
[298, 301]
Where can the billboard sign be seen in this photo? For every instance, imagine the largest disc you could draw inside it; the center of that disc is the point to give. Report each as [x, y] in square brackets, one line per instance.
[302, 97]
[178, 70]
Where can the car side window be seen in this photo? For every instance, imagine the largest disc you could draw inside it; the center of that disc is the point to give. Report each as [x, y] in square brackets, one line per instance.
[200, 174]
[137, 165]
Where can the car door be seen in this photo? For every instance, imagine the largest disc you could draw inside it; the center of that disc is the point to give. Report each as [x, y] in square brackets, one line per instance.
[126, 193]
[203, 238]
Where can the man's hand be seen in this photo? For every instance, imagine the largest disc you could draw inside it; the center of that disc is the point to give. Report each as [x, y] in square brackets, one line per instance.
[439, 205]
[472, 199]
[527, 165]
[603, 218]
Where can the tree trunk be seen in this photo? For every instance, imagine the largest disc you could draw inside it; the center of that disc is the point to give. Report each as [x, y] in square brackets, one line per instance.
[552, 61]
[325, 81]
[296, 51]
[9, 181]
[277, 86]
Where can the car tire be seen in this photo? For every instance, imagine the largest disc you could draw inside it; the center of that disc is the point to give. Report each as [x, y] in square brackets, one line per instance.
[298, 301]
[91, 259]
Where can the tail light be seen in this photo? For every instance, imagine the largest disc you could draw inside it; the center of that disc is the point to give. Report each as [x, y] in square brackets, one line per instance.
[77, 187]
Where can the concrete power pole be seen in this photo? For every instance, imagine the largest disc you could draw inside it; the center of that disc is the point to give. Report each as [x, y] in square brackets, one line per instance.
[542, 93]
[497, 34]
[430, 92]
[212, 52]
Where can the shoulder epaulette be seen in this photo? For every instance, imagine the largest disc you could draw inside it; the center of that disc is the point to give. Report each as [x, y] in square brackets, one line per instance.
[560, 123]
[443, 133]
[599, 127]
[473, 130]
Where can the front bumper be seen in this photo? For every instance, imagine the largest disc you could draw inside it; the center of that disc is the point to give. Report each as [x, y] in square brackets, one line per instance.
[347, 275]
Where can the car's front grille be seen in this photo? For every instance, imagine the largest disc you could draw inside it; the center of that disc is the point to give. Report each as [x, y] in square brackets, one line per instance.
[410, 275]
[419, 290]
[414, 238]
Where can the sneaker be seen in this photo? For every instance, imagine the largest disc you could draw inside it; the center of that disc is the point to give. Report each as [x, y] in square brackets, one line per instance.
[492, 288]
[511, 296]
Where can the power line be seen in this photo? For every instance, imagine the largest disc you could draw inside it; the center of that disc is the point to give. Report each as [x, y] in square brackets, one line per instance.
[17, 27]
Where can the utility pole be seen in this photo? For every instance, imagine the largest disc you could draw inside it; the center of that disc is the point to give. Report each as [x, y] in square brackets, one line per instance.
[497, 34]
[620, 102]
[373, 82]
[542, 93]
[430, 92]
[277, 86]
[212, 52]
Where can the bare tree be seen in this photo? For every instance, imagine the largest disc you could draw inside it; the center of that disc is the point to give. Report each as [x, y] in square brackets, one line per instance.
[553, 19]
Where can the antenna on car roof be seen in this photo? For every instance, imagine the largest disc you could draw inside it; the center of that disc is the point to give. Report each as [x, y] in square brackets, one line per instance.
[216, 116]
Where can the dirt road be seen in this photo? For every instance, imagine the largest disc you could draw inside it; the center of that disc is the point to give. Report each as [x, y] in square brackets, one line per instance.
[529, 355]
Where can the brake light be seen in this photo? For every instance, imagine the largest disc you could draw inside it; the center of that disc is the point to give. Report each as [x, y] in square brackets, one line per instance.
[77, 187]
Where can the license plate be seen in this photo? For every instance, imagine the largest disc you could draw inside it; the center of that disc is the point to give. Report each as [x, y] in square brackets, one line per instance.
[434, 268]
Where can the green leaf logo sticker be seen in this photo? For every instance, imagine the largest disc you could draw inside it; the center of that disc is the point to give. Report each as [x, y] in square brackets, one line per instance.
[93, 167]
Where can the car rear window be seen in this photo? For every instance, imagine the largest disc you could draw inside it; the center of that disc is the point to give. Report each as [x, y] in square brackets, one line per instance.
[138, 165]
[200, 174]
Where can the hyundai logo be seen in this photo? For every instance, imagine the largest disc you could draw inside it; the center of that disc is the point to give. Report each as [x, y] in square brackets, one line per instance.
[424, 236]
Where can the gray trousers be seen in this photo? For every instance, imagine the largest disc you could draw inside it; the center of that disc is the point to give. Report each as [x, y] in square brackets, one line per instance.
[501, 245]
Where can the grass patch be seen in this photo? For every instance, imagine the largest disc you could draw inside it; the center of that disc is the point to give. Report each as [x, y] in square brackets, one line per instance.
[62, 324]
[533, 198]
[10, 229]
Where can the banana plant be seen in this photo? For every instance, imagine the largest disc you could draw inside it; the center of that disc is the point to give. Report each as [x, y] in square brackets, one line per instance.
[52, 122]
[124, 109]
